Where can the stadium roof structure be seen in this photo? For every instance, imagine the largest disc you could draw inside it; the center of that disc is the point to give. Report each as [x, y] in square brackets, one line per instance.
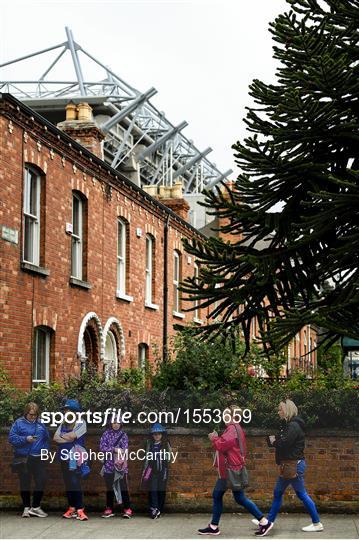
[137, 134]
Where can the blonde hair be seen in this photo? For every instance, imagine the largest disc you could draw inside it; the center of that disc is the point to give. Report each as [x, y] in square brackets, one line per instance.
[290, 409]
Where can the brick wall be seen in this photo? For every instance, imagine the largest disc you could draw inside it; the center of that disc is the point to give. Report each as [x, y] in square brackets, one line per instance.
[332, 477]
[29, 299]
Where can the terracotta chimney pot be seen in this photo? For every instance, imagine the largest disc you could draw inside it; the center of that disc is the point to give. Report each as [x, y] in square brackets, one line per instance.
[71, 111]
[84, 112]
[176, 191]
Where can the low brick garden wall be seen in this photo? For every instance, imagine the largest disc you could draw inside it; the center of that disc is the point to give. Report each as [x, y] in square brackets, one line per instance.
[332, 476]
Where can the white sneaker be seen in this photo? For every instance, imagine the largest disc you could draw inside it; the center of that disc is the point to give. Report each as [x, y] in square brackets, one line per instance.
[313, 527]
[38, 512]
[255, 522]
[26, 512]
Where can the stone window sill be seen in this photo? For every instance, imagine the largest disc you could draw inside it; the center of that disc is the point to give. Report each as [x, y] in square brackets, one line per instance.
[149, 305]
[178, 315]
[197, 321]
[79, 283]
[123, 296]
[34, 269]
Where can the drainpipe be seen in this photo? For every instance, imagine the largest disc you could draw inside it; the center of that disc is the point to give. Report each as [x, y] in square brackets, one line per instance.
[309, 364]
[165, 289]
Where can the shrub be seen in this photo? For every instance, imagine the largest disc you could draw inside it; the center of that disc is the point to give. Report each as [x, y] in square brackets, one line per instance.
[200, 376]
[195, 365]
[331, 358]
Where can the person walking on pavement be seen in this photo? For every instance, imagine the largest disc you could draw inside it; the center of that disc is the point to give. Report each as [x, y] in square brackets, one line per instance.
[230, 455]
[289, 446]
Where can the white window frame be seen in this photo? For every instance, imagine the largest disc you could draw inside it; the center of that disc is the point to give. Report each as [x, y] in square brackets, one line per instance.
[77, 240]
[36, 381]
[150, 246]
[149, 269]
[142, 356]
[121, 257]
[176, 282]
[33, 218]
[121, 268]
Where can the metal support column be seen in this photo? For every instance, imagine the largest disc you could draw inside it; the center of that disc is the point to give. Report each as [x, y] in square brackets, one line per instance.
[218, 179]
[75, 60]
[128, 110]
[191, 162]
[165, 137]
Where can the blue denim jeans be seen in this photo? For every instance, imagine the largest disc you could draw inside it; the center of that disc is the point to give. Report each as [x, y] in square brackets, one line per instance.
[299, 488]
[219, 490]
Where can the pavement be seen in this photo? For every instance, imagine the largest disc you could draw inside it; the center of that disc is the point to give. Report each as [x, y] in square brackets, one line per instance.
[170, 526]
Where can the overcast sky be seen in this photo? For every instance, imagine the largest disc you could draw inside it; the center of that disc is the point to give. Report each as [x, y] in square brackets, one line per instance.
[199, 55]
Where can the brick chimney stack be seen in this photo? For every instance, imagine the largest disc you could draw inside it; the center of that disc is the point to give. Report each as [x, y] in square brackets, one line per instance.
[172, 197]
[227, 237]
[79, 124]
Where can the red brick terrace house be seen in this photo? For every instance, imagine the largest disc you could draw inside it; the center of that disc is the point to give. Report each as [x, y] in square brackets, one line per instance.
[90, 261]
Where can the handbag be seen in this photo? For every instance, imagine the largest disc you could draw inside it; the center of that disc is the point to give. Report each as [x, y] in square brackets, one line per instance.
[238, 480]
[288, 469]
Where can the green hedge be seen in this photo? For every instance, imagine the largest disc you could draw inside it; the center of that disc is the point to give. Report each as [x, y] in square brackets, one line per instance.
[202, 375]
[319, 404]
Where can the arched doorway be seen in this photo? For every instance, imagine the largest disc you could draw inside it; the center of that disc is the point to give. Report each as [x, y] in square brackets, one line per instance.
[90, 348]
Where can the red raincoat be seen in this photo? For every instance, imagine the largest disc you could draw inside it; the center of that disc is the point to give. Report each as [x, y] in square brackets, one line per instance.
[228, 453]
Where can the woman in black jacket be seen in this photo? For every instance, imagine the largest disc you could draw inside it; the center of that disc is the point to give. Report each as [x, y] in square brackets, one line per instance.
[289, 446]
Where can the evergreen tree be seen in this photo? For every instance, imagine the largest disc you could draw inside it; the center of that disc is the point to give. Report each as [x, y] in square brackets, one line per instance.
[298, 190]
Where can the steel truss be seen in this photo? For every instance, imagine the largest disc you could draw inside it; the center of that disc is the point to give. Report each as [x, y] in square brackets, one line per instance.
[137, 134]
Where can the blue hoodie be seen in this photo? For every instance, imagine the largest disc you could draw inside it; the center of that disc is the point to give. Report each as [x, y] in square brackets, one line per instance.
[21, 429]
